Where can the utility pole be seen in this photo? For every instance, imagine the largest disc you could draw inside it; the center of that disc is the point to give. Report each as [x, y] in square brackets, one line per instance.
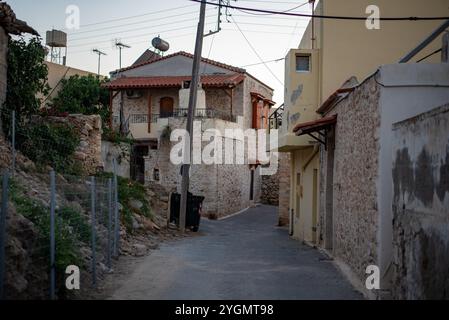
[120, 46]
[192, 106]
[100, 53]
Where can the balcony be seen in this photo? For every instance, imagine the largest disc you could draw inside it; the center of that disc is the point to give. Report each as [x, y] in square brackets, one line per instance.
[182, 113]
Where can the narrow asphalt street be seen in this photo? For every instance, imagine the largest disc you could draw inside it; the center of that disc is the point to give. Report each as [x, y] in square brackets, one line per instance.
[243, 257]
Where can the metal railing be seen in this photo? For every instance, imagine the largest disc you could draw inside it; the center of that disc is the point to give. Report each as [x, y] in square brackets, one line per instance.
[182, 113]
[275, 119]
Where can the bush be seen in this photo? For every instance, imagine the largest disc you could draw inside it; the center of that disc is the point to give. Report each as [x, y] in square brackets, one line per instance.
[67, 252]
[129, 190]
[82, 95]
[51, 144]
[27, 79]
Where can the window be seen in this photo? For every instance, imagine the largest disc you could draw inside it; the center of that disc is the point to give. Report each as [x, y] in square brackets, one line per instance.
[303, 63]
[156, 175]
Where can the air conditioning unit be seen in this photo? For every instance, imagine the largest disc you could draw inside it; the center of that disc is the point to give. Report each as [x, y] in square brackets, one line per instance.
[186, 84]
[133, 94]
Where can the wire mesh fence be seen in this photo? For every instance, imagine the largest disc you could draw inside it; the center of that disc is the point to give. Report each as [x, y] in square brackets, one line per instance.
[77, 227]
[75, 218]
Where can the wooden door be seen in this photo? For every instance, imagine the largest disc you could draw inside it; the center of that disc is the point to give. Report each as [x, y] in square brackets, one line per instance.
[166, 107]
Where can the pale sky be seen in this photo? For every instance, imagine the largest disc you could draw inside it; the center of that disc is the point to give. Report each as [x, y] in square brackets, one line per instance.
[175, 21]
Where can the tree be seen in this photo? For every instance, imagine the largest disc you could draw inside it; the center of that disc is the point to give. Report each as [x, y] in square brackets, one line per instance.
[83, 95]
[26, 80]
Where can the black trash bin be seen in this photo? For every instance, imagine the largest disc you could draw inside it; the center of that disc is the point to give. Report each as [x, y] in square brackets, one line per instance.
[193, 215]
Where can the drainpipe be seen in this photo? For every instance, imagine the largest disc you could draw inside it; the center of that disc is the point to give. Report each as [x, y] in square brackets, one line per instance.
[445, 48]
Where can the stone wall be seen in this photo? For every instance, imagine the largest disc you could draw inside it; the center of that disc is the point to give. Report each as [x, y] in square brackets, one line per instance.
[355, 173]
[421, 206]
[270, 190]
[3, 68]
[226, 188]
[88, 152]
[284, 188]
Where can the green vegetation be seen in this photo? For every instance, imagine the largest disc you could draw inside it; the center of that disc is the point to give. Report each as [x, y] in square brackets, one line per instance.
[67, 251]
[27, 79]
[52, 144]
[83, 95]
[130, 190]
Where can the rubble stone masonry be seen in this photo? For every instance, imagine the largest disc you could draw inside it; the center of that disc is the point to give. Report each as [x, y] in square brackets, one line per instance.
[355, 204]
[3, 67]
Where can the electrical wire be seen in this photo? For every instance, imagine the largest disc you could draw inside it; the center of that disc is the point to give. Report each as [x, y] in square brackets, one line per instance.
[132, 23]
[269, 14]
[136, 16]
[429, 55]
[257, 64]
[131, 30]
[256, 53]
[325, 16]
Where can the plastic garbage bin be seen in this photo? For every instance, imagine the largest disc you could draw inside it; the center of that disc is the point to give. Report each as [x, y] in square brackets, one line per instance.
[193, 215]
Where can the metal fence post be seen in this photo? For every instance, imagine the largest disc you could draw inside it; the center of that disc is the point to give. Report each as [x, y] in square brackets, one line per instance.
[52, 236]
[116, 214]
[13, 142]
[3, 214]
[93, 218]
[108, 257]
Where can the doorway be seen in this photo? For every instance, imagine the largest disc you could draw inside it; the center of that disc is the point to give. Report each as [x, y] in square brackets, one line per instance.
[166, 107]
[315, 206]
[138, 162]
[251, 190]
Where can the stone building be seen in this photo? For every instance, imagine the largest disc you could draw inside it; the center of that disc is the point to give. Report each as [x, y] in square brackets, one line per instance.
[150, 100]
[9, 25]
[330, 52]
[363, 194]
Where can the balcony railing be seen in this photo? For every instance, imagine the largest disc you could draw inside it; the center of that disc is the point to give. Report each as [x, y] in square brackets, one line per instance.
[275, 118]
[182, 113]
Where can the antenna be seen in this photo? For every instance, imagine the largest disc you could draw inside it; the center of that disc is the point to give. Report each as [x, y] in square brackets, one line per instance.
[100, 53]
[121, 46]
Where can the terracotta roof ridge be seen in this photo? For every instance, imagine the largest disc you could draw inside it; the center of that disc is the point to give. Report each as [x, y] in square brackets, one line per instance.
[185, 54]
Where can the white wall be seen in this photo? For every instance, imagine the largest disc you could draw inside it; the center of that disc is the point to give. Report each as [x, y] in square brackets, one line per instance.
[407, 90]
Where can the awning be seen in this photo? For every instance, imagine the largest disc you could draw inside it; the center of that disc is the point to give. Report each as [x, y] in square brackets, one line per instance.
[319, 126]
[315, 126]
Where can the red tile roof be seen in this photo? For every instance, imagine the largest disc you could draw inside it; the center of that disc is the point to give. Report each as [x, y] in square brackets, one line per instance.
[314, 126]
[174, 81]
[189, 55]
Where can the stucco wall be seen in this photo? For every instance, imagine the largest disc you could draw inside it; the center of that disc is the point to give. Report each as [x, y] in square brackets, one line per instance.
[421, 206]
[3, 68]
[121, 153]
[355, 206]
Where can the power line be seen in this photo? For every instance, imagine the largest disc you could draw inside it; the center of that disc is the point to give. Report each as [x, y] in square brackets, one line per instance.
[256, 53]
[136, 16]
[130, 30]
[132, 23]
[328, 17]
[268, 14]
[137, 36]
[263, 62]
[429, 55]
